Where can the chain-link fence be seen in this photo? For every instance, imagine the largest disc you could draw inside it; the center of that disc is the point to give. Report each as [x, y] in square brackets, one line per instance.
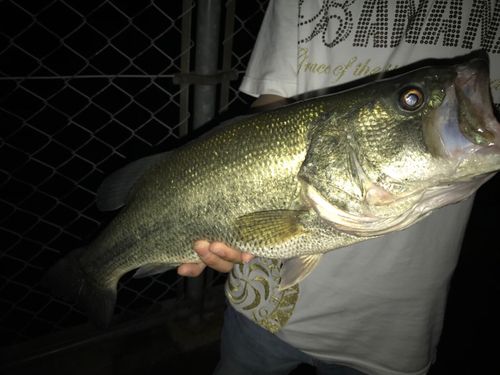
[85, 88]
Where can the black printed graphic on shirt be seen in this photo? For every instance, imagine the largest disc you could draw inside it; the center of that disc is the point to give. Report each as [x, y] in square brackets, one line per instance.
[447, 23]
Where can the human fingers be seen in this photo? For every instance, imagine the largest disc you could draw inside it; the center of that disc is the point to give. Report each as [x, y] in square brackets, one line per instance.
[216, 255]
[191, 269]
[213, 259]
[229, 254]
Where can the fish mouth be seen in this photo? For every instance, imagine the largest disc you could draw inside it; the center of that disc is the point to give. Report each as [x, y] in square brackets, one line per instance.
[476, 118]
[465, 124]
[418, 205]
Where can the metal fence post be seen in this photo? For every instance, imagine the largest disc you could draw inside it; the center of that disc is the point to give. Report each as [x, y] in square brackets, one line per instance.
[206, 59]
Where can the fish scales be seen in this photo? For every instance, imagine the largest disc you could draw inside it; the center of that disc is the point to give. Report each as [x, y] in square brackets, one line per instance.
[204, 178]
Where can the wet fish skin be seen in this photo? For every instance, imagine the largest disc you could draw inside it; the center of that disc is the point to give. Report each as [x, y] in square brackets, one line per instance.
[299, 181]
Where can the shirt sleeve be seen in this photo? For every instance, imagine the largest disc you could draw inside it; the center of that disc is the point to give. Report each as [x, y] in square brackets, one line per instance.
[273, 64]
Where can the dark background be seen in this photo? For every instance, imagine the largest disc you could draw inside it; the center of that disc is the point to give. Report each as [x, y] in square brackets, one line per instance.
[87, 86]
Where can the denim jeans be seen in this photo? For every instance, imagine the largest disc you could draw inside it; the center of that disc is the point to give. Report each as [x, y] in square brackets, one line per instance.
[248, 349]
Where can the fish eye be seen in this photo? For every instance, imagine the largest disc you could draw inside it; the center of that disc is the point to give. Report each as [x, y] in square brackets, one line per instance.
[411, 99]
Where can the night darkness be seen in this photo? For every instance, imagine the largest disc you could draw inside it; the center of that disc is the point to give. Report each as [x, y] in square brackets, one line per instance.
[86, 87]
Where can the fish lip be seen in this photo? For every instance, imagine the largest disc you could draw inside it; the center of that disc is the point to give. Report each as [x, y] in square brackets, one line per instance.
[426, 200]
[325, 209]
[472, 90]
[359, 225]
[464, 125]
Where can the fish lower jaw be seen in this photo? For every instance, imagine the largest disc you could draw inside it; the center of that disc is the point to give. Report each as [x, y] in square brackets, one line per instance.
[421, 203]
[360, 225]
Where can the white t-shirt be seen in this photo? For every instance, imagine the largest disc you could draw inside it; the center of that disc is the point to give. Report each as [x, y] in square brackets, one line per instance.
[340, 41]
[376, 306]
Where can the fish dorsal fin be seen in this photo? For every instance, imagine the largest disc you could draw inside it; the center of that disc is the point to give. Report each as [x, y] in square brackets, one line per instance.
[270, 227]
[296, 269]
[114, 191]
[152, 269]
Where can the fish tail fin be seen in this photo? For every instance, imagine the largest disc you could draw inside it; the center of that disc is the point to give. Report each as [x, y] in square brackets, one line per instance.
[67, 280]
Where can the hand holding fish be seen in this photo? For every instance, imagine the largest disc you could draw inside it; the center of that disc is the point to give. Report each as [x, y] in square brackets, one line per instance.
[216, 255]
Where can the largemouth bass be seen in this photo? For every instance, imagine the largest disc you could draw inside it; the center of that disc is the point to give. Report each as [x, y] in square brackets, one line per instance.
[296, 182]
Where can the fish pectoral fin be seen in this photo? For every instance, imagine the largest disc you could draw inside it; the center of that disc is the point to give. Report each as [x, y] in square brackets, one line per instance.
[114, 191]
[270, 227]
[152, 269]
[297, 269]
